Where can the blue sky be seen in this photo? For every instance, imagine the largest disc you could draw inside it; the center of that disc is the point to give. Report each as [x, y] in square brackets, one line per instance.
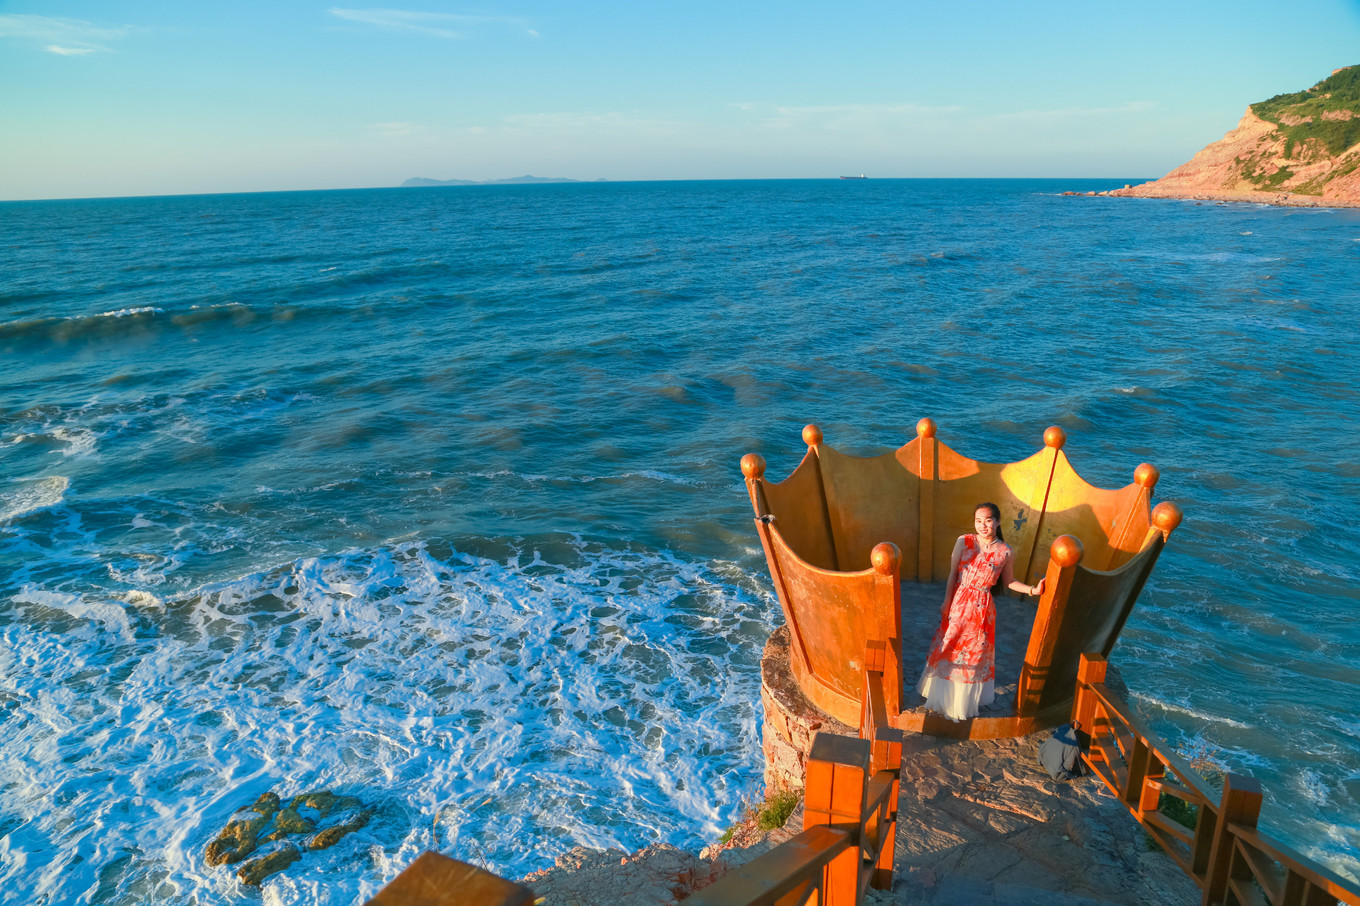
[168, 97]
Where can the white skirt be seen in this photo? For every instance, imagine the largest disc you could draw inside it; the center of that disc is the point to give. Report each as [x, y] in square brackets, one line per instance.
[956, 701]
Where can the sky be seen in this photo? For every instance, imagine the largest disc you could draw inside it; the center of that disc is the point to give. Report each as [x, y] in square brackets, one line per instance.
[159, 97]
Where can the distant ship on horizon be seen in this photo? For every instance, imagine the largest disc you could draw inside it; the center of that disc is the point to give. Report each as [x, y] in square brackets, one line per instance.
[861, 176]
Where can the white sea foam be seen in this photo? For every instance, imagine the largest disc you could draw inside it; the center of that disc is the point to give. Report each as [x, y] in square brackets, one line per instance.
[1187, 711]
[1314, 787]
[32, 496]
[139, 598]
[98, 616]
[79, 441]
[126, 312]
[647, 474]
[652, 475]
[595, 696]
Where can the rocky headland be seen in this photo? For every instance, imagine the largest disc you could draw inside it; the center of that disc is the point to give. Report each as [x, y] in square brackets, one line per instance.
[1300, 149]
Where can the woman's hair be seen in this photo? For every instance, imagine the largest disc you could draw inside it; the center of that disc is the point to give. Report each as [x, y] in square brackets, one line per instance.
[996, 514]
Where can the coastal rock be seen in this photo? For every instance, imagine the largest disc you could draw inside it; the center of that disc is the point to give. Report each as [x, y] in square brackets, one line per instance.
[242, 834]
[659, 875]
[286, 831]
[255, 871]
[791, 720]
[330, 836]
[1291, 150]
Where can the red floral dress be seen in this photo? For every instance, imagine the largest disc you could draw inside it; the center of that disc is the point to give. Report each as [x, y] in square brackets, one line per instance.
[960, 670]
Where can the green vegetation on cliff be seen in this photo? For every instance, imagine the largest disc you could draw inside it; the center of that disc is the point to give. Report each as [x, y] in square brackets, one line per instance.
[1325, 117]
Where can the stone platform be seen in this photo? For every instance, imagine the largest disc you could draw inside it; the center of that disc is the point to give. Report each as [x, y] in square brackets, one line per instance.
[979, 822]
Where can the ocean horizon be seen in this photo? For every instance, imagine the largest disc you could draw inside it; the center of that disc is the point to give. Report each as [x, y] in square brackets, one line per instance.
[1089, 183]
[431, 496]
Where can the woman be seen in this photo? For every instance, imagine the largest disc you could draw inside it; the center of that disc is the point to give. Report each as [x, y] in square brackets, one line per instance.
[960, 671]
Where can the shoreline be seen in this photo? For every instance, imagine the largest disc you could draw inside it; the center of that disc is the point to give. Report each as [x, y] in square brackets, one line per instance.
[1275, 199]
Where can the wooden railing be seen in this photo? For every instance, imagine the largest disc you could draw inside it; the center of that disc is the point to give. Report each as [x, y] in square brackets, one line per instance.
[1226, 855]
[849, 818]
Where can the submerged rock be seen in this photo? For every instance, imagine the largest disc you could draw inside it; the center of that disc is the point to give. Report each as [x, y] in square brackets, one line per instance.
[256, 870]
[299, 827]
[241, 835]
[289, 821]
[331, 835]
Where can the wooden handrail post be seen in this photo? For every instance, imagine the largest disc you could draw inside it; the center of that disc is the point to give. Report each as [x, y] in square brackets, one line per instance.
[1241, 804]
[834, 796]
[885, 755]
[1064, 557]
[885, 740]
[1139, 761]
[1151, 799]
[1091, 669]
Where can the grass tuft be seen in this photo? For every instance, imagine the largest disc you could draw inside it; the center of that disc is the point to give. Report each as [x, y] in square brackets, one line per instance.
[773, 813]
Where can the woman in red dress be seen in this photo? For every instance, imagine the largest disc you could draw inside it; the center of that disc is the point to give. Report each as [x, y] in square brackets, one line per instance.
[960, 672]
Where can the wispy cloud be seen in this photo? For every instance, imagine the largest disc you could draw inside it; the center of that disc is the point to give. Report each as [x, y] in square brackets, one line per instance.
[864, 110]
[65, 37]
[439, 25]
[835, 118]
[858, 117]
[614, 122]
[395, 129]
[1068, 113]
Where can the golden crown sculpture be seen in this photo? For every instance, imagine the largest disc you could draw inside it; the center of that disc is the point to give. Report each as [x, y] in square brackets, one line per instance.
[842, 533]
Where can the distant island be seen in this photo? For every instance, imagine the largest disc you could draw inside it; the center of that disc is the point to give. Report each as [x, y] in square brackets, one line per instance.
[420, 181]
[1294, 149]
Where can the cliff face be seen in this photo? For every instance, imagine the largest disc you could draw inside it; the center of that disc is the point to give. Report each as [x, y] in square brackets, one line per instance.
[1296, 148]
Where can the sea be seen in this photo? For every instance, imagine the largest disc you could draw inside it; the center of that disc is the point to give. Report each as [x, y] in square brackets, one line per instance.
[431, 497]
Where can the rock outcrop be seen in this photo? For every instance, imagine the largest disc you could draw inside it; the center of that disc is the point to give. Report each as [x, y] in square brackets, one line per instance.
[1296, 149]
[791, 721]
[277, 835]
[660, 875]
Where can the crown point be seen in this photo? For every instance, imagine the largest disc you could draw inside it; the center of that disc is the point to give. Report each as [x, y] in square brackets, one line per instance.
[1146, 475]
[1067, 550]
[925, 428]
[812, 435]
[1166, 516]
[1055, 437]
[752, 465]
[885, 556]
